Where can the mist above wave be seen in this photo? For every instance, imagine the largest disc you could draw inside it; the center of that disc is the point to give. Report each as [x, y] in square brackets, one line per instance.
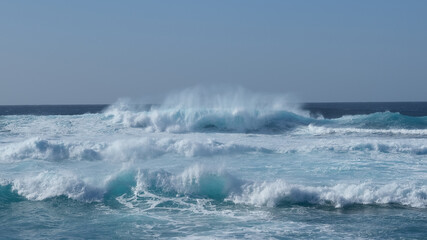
[217, 109]
[238, 110]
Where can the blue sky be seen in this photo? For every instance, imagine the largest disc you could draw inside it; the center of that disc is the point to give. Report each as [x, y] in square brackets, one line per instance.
[64, 52]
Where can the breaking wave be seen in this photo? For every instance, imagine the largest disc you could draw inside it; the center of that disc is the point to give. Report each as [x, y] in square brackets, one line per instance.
[50, 184]
[199, 110]
[281, 193]
[204, 182]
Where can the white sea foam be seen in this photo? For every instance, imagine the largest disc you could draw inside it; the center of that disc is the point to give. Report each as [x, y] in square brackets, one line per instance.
[35, 148]
[42, 149]
[280, 192]
[132, 149]
[139, 149]
[50, 184]
[203, 181]
[330, 130]
[214, 182]
[343, 145]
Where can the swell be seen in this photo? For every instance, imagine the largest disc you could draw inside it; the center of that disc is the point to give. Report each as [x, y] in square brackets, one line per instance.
[375, 147]
[133, 149]
[7, 195]
[207, 182]
[383, 120]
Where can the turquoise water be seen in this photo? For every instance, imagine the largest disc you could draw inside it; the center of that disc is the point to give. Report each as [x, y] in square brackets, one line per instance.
[229, 169]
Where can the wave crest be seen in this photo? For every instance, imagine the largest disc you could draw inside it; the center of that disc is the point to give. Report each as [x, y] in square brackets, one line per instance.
[49, 184]
[280, 193]
[238, 110]
[200, 109]
[207, 182]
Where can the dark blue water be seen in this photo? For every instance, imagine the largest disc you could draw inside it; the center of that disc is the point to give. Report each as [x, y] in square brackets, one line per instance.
[336, 110]
[327, 110]
[51, 109]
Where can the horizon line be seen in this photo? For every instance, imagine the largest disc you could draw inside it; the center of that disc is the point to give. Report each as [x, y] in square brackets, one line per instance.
[310, 102]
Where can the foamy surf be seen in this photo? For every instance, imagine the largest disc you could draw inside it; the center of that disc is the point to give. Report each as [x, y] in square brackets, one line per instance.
[208, 182]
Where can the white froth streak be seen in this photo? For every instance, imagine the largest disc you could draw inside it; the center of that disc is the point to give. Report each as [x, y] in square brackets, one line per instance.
[321, 130]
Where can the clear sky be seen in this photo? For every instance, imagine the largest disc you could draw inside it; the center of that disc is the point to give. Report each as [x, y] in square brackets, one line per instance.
[65, 52]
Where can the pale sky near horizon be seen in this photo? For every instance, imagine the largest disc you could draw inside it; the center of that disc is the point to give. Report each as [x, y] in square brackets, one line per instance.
[76, 52]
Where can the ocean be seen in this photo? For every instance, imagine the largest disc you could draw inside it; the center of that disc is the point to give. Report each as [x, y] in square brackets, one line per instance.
[214, 166]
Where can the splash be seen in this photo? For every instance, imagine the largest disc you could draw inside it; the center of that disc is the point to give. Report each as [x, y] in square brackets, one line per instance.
[238, 110]
[215, 183]
[214, 109]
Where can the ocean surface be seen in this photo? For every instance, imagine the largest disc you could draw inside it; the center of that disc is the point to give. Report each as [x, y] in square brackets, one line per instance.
[214, 166]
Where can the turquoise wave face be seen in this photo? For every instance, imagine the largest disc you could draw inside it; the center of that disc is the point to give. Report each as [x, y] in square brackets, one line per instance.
[200, 182]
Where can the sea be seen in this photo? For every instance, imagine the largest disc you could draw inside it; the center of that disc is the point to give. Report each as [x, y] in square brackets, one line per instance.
[214, 165]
